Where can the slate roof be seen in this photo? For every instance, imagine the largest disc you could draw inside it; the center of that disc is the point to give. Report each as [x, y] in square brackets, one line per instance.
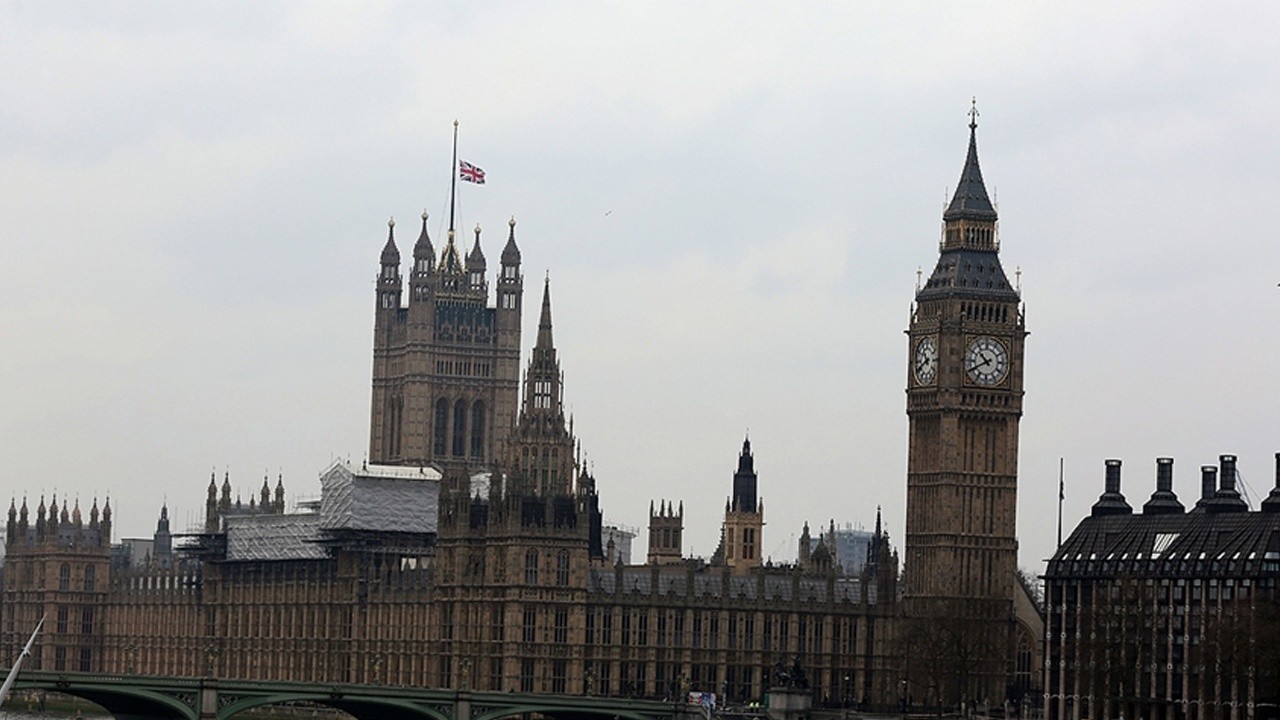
[965, 272]
[1191, 545]
[970, 201]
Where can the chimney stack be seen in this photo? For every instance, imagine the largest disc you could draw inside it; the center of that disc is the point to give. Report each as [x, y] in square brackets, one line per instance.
[1227, 498]
[1112, 502]
[1272, 503]
[1163, 501]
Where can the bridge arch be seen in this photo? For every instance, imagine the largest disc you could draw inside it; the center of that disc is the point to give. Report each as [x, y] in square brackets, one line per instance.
[124, 700]
[362, 708]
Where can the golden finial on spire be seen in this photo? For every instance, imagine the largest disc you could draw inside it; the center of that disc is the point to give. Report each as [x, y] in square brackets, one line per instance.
[391, 222]
[512, 221]
[973, 113]
[424, 215]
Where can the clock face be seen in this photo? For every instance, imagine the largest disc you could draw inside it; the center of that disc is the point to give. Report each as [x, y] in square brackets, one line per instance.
[986, 361]
[925, 361]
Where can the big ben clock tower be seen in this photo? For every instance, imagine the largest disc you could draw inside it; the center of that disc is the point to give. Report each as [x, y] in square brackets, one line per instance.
[964, 400]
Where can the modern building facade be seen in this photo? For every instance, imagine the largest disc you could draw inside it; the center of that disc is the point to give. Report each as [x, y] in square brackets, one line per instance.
[1169, 613]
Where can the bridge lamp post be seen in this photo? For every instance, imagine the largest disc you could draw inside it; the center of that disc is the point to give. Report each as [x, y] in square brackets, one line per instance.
[211, 653]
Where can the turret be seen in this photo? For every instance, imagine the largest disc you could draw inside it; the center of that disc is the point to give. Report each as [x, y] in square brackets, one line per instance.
[265, 502]
[666, 530]
[424, 255]
[744, 480]
[41, 525]
[476, 268]
[224, 503]
[278, 507]
[211, 505]
[389, 274]
[802, 552]
[510, 289]
[94, 514]
[11, 528]
[105, 538]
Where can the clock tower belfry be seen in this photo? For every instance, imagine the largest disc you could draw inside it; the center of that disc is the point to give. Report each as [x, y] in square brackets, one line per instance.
[964, 401]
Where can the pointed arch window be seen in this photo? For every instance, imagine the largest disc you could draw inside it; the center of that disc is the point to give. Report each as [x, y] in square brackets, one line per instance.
[531, 567]
[441, 429]
[477, 429]
[90, 580]
[64, 577]
[562, 568]
[460, 428]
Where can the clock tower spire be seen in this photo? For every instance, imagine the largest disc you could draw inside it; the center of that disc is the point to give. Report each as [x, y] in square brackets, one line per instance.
[964, 401]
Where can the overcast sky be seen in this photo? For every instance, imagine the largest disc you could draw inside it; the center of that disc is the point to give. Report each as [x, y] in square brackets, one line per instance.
[732, 201]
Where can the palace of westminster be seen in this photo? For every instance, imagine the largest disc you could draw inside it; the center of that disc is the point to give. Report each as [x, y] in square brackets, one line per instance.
[468, 552]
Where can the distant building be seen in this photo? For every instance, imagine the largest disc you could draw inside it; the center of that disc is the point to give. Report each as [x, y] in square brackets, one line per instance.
[848, 546]
[1168, 613]
[617, 543]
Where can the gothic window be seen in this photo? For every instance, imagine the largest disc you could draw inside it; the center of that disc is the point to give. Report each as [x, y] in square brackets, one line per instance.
[86, 621]
[62, 621]
[562, 568]
[89, 579]
[529, 631]
[542, 394]
[477, 429]
[64, 577]
[441, 426]
[531, 567]
[509, 272]
[559, 674]
[526, 676]
[561, 627]
[460, 427]
[446, 622]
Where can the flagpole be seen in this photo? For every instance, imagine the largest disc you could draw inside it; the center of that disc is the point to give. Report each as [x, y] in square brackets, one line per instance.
[453, 177]
[1061, 494]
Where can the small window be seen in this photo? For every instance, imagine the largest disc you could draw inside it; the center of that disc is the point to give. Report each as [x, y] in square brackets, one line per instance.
[531, 567]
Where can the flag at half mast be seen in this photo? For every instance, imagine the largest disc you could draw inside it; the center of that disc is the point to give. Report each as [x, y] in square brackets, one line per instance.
[470, 173]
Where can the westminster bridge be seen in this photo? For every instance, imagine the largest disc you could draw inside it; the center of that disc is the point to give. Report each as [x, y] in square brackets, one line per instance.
[146, 697]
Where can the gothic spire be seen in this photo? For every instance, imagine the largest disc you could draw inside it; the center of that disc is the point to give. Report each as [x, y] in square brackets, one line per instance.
[544, 322]
[390, 254]
[970, 201]
[423, 250]
[511, 253]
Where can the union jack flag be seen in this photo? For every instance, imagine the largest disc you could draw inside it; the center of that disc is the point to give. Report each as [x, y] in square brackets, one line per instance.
[470, 173]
